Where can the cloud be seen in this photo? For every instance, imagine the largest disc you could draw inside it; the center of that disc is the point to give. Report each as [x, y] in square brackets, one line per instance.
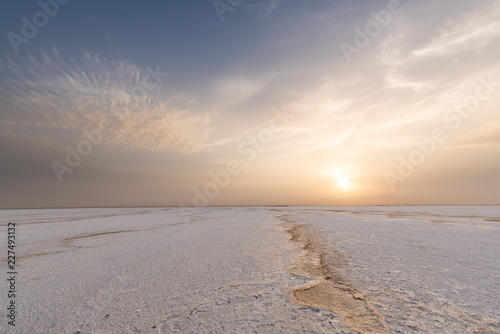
[486, 137]
[465, 37]
[48, 96]
[160, 128]
[443, 50]
[232, 92]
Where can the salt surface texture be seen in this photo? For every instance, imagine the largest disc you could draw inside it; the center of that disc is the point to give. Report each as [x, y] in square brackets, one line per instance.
[255, 270]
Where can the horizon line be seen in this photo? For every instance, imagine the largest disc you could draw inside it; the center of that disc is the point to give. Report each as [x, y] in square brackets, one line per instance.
[231, 206]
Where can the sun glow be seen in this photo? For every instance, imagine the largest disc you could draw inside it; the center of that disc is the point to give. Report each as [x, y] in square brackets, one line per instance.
[344, 183]
[341, 177]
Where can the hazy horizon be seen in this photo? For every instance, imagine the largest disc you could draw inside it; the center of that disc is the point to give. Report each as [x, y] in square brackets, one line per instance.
[239, 206]
[249, 103]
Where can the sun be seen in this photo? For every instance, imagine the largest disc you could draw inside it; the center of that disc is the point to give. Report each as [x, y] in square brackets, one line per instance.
[344, 183]
[342, 178]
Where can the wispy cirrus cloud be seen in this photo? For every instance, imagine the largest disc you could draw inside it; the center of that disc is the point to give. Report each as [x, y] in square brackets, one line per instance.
[466, 35]
[429, 56]
[486, 137]
[50, 96]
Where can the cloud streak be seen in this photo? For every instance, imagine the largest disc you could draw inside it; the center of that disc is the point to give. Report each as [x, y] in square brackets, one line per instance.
[50, 94]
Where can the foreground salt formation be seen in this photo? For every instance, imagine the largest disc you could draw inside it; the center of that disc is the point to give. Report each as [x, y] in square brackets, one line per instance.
[264, 270]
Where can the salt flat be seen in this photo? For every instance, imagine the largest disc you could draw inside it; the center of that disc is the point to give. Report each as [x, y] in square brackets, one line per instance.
[256, 270]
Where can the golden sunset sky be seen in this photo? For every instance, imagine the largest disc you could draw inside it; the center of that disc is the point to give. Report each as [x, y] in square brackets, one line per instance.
[262, 103]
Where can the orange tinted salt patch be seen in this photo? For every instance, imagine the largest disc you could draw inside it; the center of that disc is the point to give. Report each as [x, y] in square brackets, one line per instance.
[331, 288]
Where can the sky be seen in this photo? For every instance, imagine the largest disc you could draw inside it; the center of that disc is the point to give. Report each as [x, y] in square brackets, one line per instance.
[249, 102]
